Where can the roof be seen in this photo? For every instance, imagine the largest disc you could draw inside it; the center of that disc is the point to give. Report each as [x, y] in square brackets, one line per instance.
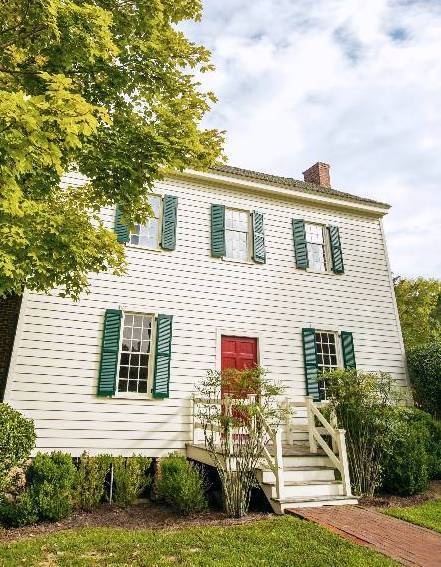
[290, 182]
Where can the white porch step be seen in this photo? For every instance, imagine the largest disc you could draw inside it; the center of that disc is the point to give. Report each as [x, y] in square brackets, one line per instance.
[306, 460]
[299, 474]
[306, 490]
[280, 506]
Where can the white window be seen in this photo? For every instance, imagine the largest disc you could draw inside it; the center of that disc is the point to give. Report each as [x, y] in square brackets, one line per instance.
[135, 354]
[316, 242]
[327, 355]
[237, 235]
[149, 235]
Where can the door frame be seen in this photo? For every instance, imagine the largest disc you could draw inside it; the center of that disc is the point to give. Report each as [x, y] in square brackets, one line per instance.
[238, 332]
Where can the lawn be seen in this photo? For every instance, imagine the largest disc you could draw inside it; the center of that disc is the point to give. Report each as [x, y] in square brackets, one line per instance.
[427, 514]
[284, 541]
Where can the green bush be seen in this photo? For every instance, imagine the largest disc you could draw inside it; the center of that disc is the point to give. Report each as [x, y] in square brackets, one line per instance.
[433, 444]
[19, 511]
[51, 478]
[181, 484]
[406, 465]
[130, 478]
[17, 439]
[89, 482]
[424, 364]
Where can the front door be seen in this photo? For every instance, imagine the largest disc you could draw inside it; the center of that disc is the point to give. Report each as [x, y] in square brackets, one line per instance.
[239, 352]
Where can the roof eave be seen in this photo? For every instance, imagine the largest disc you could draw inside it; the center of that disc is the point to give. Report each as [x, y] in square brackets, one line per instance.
[291, 193]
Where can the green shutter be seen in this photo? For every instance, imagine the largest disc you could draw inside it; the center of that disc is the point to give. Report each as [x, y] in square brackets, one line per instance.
[163, 355]
[300, 248]
[347, 347]
[259, 254]
[311, 367]
[109, 352]
[218, 231]
[121, 230]
[169, 222]
[336, 253]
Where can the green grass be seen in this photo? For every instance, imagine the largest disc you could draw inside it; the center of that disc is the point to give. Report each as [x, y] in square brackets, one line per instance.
[427, 514]
[285, 541]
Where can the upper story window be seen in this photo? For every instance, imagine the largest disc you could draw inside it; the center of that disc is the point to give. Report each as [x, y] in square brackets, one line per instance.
[149, 235]
[316, 242]
[237, 235]
[135, 353]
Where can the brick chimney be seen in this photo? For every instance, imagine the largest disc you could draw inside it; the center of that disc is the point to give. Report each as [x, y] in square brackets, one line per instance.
[318, 174]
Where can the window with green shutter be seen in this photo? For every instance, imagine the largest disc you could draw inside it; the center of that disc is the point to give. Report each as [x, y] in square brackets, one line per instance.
[109, 352]
[259, 254]
[336, 251]
[217, 230]
[161, 380]
[311, 364]
[300, 248]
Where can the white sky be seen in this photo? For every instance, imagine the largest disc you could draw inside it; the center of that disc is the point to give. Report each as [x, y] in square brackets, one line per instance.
[353, 83]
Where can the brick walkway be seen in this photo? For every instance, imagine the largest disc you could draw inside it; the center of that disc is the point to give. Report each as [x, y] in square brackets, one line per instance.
[411, 545]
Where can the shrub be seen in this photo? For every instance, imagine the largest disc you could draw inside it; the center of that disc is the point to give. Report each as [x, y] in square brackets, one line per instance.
[365, 404]
[406, 465]
[90, 479]
[19, 511]
[17, 439]
[424, 364]
[181, 484]
[130, 478]
[51, 478]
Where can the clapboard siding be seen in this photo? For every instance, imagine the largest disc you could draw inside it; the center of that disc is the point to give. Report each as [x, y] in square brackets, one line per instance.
[54, 374]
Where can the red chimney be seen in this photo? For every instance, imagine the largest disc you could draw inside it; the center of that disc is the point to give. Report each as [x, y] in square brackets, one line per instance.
[318, 174]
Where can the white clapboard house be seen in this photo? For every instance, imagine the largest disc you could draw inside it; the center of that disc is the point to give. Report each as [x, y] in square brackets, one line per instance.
[236, 268]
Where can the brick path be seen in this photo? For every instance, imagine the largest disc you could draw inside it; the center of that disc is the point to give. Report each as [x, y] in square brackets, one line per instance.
[411, 545]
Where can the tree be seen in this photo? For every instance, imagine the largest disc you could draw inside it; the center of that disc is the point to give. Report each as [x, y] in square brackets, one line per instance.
[419, 302]
[104, 87]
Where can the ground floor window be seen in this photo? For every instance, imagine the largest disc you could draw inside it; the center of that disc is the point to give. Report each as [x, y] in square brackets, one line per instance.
[327, 355]
[135, 353]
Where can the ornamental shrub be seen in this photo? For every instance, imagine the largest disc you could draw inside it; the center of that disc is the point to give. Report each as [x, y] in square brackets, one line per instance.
[51, 478]
[181, 484]
[366, 407]
[17, 439]
[130, 478]
[405, 466]
[19, 511]
[424, 363]
[90, 479]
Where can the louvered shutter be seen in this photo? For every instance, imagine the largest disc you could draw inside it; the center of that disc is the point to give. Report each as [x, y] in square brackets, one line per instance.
[161, 379]
[347, 347]
[300, 248]
[336, 253]
[311, 367]
[259, 254]
[169, 222]
[121, 230]
[109, 352]
[217, 231]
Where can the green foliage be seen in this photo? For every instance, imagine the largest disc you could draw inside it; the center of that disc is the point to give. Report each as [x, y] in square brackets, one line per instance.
[51, 478]
[130, 478]
[19, 511]
[277, 542]
[419, 307]
[406, 464]
[181, 484]
[424, 362]
[107, 88]
[17, 439]
[365, 405]
[89, 483]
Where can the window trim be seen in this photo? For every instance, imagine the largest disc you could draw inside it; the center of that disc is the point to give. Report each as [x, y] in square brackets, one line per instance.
[249, 259]
[326, 247]
[152, 356]
[160, 223]
[339, 352]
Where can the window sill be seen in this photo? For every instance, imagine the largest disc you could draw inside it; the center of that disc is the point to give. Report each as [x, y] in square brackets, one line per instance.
[137, 247]
[233, 261]
[132, 396]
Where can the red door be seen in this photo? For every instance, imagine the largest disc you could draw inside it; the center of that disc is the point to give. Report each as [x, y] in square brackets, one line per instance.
[239, 352]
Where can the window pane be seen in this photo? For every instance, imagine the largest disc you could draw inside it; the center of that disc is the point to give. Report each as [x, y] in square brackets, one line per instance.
[316, 257]
[133, 369]
[155, 203]
[148, 234]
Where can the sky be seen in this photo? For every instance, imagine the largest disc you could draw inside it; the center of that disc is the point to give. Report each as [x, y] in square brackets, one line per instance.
[353, 83]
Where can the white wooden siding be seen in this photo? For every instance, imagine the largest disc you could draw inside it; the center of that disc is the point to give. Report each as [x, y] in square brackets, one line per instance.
[54, 372]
